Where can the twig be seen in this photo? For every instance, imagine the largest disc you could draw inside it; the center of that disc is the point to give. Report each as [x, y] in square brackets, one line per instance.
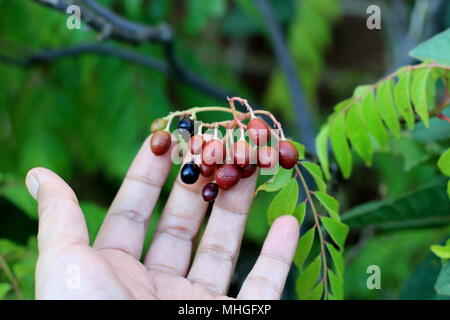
[100, 19]
[10, 275]
[319, 231]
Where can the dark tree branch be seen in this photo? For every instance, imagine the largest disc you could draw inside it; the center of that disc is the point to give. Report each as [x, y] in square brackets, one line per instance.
[51, 55]
[110, 25]
[100, 19]
[303, 116]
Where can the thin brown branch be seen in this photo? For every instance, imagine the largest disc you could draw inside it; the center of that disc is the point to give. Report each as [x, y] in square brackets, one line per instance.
[11, 277]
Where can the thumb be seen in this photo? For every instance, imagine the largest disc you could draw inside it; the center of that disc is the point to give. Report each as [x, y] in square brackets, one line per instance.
[61, 221]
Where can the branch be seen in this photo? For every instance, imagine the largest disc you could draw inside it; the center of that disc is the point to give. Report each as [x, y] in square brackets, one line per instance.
[51, 55]
[101, 19]
[111, 25]
[12, 279]
[303, 116]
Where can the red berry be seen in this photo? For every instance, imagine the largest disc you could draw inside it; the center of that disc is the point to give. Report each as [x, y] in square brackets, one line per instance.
[160, 142]
[243, 153]
[258, 131]
[207, 171]
[248, 171]
[196, 144]
[213, 153]
[267, 157]
[210, 191]
[288, 154]
[227, 176]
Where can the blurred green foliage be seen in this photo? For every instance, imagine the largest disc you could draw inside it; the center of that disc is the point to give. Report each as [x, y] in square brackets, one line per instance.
[86, 117]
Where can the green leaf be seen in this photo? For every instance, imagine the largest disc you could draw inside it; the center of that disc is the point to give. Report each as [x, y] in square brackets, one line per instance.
[444, 163]
[308, 278]
[322, 150]
[371, 117]
[17, 193]
[329, 203]
[338, 259]
[448, 189]
[316, 293]
[413, 153]
[300, 149]
[420, 283]
[403, 98]
[340, 146]
[435, 48]
[337, 286]
[386, 106]
[300, 212]
[442, 252]
[4, 289]
[358, 135]
[409, 210]
[304, 247]
[421, 98]
[362, 90]
[284, 202]
[278, 181]
[442, 285]
[316, 173]
[337, 230]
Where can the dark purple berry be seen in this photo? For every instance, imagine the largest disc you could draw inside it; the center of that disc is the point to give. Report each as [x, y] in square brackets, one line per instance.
[190, 173]
[186, 124]
[210, 191]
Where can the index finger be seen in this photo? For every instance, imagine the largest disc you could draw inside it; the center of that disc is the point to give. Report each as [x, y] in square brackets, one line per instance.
[127, 220]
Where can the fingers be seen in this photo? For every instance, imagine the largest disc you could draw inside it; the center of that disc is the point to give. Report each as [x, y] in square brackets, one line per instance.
[183, 214]
[61, 222]
[268, 276]
[126, 223]
[219, 248]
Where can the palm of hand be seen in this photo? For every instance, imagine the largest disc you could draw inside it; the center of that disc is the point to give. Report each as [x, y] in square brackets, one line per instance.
[68, 268]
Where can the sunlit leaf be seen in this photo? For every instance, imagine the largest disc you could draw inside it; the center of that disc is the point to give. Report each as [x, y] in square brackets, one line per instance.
[329, 203]
[420, 95]
[403, 98]
[304, 247]
[358, 134]
[386, 106]
[308, 278]
[322, 150]
[337, 230]
[340, 146]
[371, 118]
[284, 202]
[277, 181]
[316, 173]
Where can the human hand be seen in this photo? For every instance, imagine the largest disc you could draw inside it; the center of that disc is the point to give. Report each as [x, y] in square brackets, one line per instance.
[112, 269]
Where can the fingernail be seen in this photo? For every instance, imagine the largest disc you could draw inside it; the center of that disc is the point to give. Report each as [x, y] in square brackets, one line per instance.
[33, 186]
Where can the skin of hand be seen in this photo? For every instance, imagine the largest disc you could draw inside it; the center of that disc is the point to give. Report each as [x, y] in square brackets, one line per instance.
[112, 269]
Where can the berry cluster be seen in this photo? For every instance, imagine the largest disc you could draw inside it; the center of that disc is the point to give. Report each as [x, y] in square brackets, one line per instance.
[226, 160]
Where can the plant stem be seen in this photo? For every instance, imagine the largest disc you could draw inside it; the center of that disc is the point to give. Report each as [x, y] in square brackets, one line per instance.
[10, 275]
[319, 231]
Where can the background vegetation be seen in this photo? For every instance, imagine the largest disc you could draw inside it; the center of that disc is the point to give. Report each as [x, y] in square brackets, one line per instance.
[85, 117]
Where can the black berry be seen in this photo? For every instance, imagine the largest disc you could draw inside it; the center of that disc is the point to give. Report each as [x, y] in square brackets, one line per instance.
[190, 173]
[186, 124]
[210, 191]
